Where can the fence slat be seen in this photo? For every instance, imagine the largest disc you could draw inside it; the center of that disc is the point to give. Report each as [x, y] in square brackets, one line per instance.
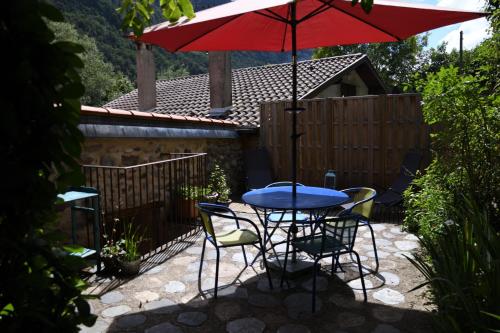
[363, 138]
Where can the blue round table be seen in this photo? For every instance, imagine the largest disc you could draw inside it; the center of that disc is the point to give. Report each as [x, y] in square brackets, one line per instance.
[308, 198]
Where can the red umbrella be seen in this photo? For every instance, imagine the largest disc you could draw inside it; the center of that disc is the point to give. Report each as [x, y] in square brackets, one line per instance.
[284, 25]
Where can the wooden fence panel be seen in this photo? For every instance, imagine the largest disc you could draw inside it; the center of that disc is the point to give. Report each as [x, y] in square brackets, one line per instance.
[364, 139]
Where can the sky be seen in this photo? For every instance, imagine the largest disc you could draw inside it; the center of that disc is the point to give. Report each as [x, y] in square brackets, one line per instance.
[474, 31]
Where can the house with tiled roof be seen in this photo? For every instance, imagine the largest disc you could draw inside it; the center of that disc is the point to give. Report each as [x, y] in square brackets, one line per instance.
[215, 113]
[349, 75]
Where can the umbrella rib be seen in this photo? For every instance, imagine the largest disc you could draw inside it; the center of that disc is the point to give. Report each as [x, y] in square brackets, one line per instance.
[273, 16]
[315, 12]
[206, 33]
[360, 19]
[286, 28]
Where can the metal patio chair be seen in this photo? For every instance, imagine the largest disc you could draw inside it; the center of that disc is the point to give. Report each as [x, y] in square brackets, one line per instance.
[333, 237]
[236, 237]
[393, 196]
[361, 204]
[282, 219]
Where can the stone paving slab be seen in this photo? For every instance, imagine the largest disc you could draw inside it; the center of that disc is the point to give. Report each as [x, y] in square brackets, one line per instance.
[166, 297]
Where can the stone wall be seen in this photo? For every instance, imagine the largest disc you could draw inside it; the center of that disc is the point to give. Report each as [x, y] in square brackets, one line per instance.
[132, 151]
[229, 155]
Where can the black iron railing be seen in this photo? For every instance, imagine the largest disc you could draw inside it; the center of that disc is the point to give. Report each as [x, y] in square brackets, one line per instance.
[158, 198]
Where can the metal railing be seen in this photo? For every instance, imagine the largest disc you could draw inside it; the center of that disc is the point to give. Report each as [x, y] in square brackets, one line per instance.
[151, 196]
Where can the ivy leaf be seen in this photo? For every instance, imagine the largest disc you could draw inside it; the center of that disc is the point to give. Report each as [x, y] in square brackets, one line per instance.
[187, 8]
[7, 309]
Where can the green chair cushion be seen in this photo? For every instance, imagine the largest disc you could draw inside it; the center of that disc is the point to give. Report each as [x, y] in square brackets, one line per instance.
[237, 237]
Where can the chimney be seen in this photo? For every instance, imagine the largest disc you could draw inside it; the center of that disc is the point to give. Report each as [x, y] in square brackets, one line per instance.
[146, 77]
[219, 70]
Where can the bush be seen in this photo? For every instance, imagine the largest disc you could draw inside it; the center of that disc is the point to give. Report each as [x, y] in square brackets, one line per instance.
[454, 205]
[462, 266]
[40, 288]
[465, 123]
[427, 204]
[217, 184]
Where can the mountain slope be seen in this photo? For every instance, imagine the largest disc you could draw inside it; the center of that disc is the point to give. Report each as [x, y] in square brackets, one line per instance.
[99, 20]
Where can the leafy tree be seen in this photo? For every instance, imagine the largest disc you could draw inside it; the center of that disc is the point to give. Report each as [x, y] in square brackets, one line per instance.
[102, 83]
[40, 288]
[138, 14]
[172, 72]
[395, 62]
[465, 121]
[455, 204]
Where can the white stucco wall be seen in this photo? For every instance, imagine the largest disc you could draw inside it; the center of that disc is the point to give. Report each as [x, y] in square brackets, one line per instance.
[351, 78]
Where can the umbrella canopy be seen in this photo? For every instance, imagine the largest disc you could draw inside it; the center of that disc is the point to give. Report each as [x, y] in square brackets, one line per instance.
[284, 25]
[265, 25]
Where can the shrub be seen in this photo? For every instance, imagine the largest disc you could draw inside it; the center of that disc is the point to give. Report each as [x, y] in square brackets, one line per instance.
[427, 203]
[41, 287]
[465, 123]
[217, 183]
[461, 264]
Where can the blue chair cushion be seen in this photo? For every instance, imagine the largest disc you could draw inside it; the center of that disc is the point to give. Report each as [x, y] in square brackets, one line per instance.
[276, 217]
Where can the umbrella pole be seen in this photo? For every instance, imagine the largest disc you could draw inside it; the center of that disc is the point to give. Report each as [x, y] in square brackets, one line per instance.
[293, 23]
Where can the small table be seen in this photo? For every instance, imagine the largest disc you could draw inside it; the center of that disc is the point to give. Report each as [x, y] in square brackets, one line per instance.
[308, 198]
[80, 193]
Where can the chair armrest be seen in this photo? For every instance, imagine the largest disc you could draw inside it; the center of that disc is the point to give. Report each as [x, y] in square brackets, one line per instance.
[242, 219]
[232, 216]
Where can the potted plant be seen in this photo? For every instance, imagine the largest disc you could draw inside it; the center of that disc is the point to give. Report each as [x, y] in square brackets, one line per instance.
[187, 198]
[129, 260]
[218, 187]
[121, 255]
[111, 250]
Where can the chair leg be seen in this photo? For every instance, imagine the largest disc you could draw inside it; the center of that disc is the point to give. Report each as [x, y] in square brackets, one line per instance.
[201, 264]
[244, 255]
[216, 273]
[263, 251]
[286, 260]
[374, 246]
[336, 264]
[361, 275]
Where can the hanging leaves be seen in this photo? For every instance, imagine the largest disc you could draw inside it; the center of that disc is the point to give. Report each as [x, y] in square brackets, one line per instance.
[138, 14]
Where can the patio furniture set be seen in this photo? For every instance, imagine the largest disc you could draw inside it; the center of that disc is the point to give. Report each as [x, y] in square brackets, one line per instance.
[325, 233]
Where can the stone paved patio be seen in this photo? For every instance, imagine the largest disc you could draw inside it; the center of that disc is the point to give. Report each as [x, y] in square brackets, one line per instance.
[165, 297]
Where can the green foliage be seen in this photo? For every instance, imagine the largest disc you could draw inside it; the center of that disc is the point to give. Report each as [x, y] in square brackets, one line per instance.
[427, 203]
[102, 83]
[464, 271]
[461, 260]
[217, 184]
[138, 14]
[172, 73]
[112, 248]
[465, 124]
[365, 4]
[191, 192]
[395, 62]
[131, 239]
[41, 288]
[99, 20]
